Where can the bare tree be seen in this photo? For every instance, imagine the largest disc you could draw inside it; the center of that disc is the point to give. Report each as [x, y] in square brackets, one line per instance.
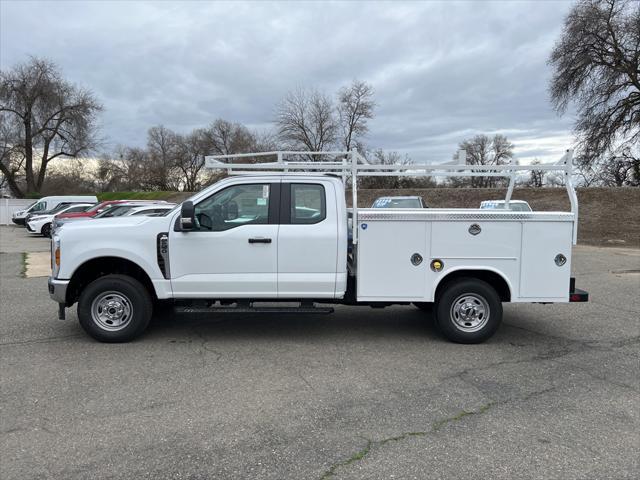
[596, 66]
[49, 118]
[163, 156]
[536, 177]
[355, 108]
[306, 121]
[380, 157]
[620, 169]
[484, 150]
[225, 138]
[193, 148]
[11, 155]
[126, 169]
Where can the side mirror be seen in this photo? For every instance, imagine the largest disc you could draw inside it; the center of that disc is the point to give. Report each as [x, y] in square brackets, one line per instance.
[187, 216]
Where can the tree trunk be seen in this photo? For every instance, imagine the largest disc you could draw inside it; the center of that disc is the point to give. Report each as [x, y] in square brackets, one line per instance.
[13, 186]
[43, 166]
[28, 153]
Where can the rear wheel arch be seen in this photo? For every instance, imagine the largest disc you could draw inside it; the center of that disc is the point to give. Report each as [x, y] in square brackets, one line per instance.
[491, 277]
[101, 266]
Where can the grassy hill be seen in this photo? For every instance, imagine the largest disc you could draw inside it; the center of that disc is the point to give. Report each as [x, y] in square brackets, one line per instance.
[607, 216]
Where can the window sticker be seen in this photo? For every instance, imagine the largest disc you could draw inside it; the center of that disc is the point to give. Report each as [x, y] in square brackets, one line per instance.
[261, 201]
[265, 192]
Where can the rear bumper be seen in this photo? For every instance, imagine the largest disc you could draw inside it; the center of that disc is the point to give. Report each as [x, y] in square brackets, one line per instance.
[58, 290]
[576, 294]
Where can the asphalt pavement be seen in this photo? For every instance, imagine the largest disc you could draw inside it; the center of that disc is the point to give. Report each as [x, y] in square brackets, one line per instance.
[359, 394]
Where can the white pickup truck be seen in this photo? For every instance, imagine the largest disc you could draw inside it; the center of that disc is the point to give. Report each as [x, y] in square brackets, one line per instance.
[285, 241]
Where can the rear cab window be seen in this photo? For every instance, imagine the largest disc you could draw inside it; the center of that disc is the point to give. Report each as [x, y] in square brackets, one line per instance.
[308, 203]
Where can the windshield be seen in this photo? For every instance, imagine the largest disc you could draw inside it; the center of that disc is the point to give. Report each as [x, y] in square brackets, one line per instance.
[61, 206]
[397, 203]
[514, 207]
[519, 207]
[97, 207]
[37, 207]
[115, 211]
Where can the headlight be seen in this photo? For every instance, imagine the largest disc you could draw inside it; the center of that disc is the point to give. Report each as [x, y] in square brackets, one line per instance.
[55, 256]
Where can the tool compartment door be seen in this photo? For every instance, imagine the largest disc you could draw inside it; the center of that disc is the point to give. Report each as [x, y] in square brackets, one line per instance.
[540, 277]
[385, 269]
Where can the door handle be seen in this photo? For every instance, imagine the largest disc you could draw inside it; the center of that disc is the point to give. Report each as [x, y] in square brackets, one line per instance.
[259, 240]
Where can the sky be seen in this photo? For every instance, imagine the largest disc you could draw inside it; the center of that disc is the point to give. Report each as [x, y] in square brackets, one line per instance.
[442, 71]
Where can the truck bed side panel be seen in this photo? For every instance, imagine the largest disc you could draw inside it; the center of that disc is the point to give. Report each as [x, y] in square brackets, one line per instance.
[384, 259]
[540, 277]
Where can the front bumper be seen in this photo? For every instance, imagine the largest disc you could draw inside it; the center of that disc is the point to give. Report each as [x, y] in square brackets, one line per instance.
[18, 221]
[58, 290]
[30, 227]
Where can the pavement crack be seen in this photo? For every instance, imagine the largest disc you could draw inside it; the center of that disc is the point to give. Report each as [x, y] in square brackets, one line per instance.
[371, 444]
[603, 378]
[550, 355]
[356, 457]
[305, 381]
[435, 428]
[41, 340]
[203, 348]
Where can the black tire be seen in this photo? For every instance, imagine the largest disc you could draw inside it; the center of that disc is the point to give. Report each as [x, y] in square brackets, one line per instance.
[126, 298]
[46, 230]
[424, 306]
[468, 310]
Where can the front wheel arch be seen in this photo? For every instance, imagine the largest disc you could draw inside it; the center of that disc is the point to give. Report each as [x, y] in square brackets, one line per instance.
[98, 267]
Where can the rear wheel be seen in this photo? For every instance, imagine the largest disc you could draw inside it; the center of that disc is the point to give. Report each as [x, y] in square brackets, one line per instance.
[468, 311]
[115, 308]
[46, 230]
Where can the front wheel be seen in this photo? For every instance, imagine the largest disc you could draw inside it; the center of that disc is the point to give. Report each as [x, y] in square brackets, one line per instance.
[468, 311]
[115, 308]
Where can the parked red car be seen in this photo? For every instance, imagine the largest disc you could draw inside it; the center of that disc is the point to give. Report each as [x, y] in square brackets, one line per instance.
[93, 211]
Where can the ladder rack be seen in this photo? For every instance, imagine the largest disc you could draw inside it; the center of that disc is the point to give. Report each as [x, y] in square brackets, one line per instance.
[350, 166]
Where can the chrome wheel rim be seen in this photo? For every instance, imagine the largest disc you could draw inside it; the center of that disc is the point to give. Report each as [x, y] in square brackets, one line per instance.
[470, 312]
[111, 311]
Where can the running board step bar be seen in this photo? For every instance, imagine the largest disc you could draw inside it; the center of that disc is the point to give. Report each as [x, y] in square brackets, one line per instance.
[244, 308]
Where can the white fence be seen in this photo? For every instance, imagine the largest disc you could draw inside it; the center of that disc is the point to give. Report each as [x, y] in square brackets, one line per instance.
[10, 205]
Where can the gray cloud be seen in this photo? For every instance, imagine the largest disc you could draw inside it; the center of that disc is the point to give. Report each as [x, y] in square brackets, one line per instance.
[442, 71]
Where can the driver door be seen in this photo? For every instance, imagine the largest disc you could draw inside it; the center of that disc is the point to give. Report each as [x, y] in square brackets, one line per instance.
[232, 251]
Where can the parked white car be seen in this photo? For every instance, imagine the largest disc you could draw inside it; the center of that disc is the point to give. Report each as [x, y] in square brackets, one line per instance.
[283, 236]
[150, 210]
[41, 224]
[49, 203]
[514, 205]
[123, 209]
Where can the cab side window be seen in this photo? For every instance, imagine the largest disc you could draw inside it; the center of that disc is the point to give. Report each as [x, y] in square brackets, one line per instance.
[308, 204]
[233, 207]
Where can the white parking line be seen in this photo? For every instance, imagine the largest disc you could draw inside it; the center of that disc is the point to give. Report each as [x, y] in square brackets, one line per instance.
[37, 264]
